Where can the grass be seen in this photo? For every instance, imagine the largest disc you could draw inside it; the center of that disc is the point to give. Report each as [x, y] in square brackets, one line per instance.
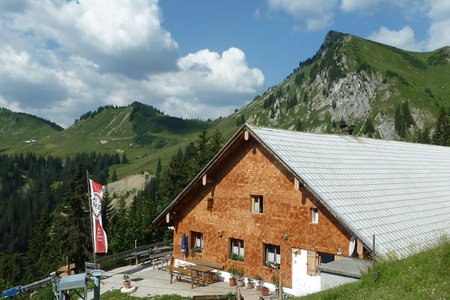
[421, 276]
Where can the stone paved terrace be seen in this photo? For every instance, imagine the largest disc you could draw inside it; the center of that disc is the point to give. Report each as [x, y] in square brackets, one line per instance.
[152, 282]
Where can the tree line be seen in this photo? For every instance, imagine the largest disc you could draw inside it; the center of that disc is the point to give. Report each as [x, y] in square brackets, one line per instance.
[60, 228]
[31, 192]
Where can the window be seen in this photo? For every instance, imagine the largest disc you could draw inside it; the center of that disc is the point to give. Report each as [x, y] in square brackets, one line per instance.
[272, 256]
[196, 241]
[314, 215]
[257, 204]
[236, 249]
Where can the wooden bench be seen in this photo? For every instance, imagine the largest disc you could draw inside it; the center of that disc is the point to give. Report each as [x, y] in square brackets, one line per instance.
[208, 263]
[159, 259]
[183, 273]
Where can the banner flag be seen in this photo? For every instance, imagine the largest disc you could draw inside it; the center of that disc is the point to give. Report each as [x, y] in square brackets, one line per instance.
[100, 238]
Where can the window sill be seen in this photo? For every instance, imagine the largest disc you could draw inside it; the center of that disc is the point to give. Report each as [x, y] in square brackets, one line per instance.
[272, 268]
[237, 261]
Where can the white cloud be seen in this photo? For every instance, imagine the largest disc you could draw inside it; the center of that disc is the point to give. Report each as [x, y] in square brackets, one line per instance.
[62, 58]
[316, 14]
[361, 5]
[403, 38]
[439, 31]
[207, 79]
[122, 36]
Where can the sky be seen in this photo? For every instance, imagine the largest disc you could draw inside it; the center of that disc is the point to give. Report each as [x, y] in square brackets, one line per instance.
[190, 58]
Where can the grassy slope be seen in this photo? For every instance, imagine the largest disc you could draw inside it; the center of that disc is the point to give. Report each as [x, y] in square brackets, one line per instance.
[110, 130]
[413, 66]
[15, 128]
[421, 276]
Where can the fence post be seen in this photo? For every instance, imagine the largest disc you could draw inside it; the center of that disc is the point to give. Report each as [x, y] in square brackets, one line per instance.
[374, 263]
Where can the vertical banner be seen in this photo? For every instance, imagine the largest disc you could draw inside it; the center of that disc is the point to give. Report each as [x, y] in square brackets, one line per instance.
[101, 241]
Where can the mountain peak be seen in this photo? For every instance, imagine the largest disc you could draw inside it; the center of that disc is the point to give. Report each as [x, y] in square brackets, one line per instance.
[331, 38]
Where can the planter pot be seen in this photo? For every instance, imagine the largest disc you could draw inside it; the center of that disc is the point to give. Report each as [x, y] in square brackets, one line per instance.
[127, 284]
[249, 285]
[240, 282]
[264, 291]
[232, 281]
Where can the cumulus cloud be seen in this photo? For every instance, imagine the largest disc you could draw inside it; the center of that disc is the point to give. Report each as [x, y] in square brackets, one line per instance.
[122, 36]
[207, 79]
[439, 31]
[62, 58]
[316, 14]
[403, 38]
[361, 6]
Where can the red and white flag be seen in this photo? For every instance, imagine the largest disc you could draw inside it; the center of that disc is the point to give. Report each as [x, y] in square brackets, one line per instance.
[100, 238]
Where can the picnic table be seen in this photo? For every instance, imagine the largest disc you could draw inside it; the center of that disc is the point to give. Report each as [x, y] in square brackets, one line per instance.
[204, 272]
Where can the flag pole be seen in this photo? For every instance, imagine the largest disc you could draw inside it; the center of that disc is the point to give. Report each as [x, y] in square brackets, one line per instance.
[90, 218]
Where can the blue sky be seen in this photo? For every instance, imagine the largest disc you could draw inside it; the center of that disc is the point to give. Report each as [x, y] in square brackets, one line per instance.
[199, 59]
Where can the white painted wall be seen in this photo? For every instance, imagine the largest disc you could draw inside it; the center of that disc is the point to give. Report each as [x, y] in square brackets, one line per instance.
[302, 283]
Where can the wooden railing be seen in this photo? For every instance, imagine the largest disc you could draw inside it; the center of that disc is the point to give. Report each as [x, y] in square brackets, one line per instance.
[117, 259]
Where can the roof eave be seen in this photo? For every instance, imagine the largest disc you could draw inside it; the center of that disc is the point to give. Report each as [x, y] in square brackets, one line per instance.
[198, 177]
[348, 227]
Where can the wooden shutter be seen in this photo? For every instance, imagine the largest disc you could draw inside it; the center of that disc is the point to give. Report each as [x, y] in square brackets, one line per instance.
[311, 263]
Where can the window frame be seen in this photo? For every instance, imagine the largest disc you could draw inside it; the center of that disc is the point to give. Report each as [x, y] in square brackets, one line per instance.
[257, 200]
[314, 215]
[197, 236]
[240, 245]
[276, 262]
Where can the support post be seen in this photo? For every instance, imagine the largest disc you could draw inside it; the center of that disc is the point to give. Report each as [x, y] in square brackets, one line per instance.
[97, 286]
[280, 287]
[90, 217]
[374, 263]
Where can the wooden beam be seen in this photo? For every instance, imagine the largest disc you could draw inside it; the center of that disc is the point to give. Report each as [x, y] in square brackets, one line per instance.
[246, 135]
[360, 249]
[296, 183]
[168, 217]
[206, 179]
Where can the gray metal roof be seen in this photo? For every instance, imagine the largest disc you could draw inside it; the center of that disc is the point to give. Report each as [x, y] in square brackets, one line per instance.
[350, 267]
[398, 191]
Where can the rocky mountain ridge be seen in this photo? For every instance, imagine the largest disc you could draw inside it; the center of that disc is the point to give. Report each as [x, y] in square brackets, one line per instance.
[351, 82]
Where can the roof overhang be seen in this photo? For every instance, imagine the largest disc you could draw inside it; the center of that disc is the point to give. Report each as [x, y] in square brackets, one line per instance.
[197, 179]
[242, 133]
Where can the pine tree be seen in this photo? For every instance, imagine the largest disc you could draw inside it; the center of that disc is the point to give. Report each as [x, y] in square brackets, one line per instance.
[124, 159]
[216, 142]
[158, 169]
[240, 120]
[203, 153]
[107, 210]
[441, 133]
[368, 127]
[40, 255]
[299, 126]
[71, 231]
[114, 176]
